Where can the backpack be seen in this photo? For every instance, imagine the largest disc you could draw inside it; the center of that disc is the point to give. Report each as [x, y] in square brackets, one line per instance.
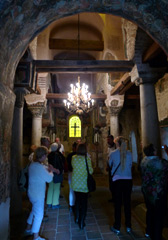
[23, 179]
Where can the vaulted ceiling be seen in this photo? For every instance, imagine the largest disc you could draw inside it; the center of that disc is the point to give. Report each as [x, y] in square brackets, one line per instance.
[89, 36]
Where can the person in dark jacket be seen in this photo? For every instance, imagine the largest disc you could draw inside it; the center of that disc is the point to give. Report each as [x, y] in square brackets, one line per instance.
[154, 171]
[54, 187]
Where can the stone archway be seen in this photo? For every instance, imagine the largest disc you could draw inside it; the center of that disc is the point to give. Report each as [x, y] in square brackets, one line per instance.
[21, 21]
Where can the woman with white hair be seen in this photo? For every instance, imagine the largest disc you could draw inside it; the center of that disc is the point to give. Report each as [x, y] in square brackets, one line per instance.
[121, 163]
[39, 175]
[54, 186]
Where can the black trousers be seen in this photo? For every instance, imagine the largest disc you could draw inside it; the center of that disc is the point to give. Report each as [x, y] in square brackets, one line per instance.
[110, 182]
[155, 217]
[122, 194]
[81, 205]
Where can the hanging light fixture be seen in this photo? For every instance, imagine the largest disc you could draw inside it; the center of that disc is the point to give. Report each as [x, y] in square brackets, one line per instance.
[79, 99]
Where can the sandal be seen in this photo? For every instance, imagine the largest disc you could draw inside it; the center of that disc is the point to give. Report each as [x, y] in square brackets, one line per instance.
[39, 238]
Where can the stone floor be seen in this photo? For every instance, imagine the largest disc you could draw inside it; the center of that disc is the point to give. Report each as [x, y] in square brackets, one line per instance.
[61, 226]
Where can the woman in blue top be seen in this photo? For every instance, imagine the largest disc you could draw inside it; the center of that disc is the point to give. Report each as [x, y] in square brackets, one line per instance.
[121, 164]
[79, 182]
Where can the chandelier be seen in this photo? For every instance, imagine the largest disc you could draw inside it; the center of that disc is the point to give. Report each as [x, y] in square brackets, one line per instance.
[79, 99]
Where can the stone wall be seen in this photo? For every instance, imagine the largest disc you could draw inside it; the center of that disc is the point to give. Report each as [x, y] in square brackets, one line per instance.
[161, 89]
[7, 99]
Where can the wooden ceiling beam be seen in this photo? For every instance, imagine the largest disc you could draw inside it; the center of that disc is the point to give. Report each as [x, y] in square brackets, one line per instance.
[83, 63]
[121, 84]
[82, 70]
[131, 96]
[73, 44]
[125, 88]
[85, 66]
[151, 52]
[57, 105]
[64, 96]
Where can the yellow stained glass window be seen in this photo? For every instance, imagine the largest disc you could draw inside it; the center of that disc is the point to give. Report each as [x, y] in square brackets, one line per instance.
[74, 126]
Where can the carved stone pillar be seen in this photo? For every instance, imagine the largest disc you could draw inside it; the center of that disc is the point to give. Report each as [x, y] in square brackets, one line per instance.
[114, 120]
[37, 111]
[36, 104]
[145, 77]
[17, 149]
[115, 104]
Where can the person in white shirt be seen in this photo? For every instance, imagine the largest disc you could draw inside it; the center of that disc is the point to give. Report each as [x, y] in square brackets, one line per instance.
[39, 174]
[61, 149]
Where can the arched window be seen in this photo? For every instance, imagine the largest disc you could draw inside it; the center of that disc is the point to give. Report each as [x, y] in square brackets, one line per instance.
[74, 126]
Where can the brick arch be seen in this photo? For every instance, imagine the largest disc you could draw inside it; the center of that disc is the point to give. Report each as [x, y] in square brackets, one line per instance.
[21, 21]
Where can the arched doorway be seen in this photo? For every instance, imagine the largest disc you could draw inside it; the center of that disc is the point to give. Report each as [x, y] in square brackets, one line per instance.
[21, 22]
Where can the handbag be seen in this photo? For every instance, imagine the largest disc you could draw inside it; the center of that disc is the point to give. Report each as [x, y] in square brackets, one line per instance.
[90, 180]
[58, 178]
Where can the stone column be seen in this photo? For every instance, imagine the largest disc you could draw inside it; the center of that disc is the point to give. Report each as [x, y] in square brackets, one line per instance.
[114, 105]
[114, 120]
[17, 150]
[37, 112]
[36, 104]
[145, 77]
[149, 114]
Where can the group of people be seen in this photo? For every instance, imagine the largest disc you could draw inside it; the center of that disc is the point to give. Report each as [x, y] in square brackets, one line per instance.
[154, 172]
[47, 166]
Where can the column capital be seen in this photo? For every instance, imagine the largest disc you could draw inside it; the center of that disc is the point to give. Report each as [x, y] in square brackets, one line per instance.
[20, 94]
[143, 74]
[114, 111]
[146, 79]
[115, 104]
[114, 101]
[36, 104]
[37, 109]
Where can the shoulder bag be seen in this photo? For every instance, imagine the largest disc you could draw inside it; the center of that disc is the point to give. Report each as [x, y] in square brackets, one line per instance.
[115, 170]
[90, 180]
